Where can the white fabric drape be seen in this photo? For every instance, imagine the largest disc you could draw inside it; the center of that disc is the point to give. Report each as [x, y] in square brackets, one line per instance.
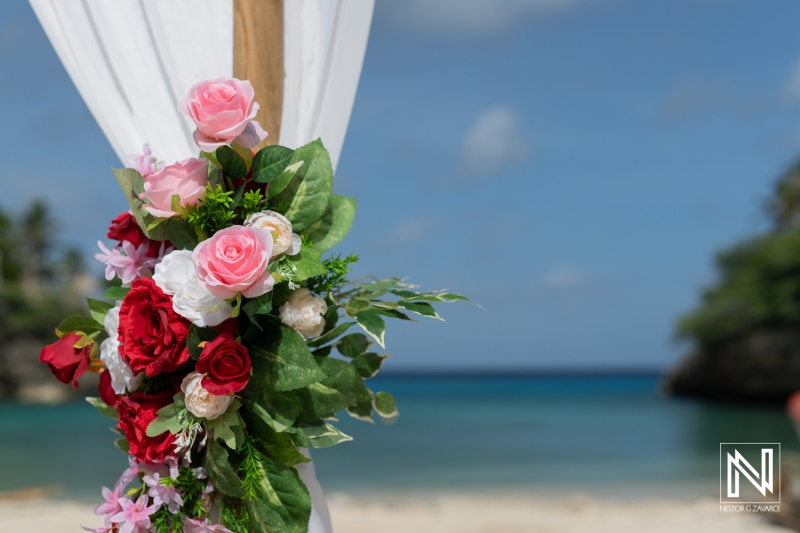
[133, 60]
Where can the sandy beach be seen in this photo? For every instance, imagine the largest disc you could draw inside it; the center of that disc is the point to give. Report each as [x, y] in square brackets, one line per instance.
[457, 514]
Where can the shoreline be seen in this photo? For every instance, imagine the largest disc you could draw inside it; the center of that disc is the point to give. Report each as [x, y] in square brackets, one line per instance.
[454, 513]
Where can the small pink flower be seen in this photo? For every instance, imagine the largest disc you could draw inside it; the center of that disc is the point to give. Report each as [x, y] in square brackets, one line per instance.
[223, 111]
[168, 468]
[134, 515]
[128, 262]
[202, 526]
[235, 260]
[145, 163]
[111, 507]
[187, 179]
[163, 495]
[129, 474]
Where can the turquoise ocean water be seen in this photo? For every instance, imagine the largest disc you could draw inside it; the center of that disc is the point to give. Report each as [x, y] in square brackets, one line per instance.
[608, 435]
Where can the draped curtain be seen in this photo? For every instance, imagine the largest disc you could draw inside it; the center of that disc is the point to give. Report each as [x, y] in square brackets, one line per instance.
[133, 60]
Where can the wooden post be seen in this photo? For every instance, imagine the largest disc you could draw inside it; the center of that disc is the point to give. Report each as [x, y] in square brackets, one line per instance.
[258, 57]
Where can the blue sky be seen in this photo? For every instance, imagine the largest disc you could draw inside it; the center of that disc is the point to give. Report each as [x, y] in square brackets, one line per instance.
[572, 165]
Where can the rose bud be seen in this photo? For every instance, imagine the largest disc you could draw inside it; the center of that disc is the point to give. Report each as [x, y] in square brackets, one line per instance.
[226, 365]
[69, 357]
[187, 179]
[223, 111]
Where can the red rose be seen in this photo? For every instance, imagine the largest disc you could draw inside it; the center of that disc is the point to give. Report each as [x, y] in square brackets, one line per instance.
[68, 357]
[152, 334]
[105, 389]
[226, 365]
[125, 228]
[135, 414]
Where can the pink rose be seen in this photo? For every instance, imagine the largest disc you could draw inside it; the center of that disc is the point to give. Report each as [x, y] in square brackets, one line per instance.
[223, 110]
[235, 260]
[187, 179]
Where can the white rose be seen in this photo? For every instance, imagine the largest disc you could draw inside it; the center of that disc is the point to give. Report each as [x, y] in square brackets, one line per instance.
[303, 312]
[284, 241]
[176, 275]
[199, 401]
[122, 378]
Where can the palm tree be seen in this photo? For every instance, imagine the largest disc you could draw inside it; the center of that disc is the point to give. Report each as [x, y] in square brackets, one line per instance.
[37, 225]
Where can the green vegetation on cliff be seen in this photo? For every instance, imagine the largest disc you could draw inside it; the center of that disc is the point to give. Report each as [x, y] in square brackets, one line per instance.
[746, 332]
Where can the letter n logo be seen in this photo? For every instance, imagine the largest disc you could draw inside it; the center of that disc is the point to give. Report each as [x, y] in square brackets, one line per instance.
[749, 472]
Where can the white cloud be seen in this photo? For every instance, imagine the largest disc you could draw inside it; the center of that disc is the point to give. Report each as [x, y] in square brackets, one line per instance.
[470, 16]
[564, 278]
[407, 232]
[493, 142]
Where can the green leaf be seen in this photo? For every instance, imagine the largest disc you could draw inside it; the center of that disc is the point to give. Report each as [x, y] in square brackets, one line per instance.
[353, 345]
[362, 411]
[450, 297]
[132, 184]
[282, 407]
[270, 162]
[105, 410]
[371, 322]
[161, 425]
[169, 417]
[259, 306]
[267, 418]
[308, 193]
[306, 264]
[263, 519]
[324, 436]
[99, 309]
[122, 444]
[342, 388]
[393, 313]
[279, 184]
[244, 153]
[334, 224]
[220, 471]
[80, 323]
[420, 308]
[181, 233]
[284, 359]
[198, 335]
[116, 293]
[385, 405]
[232, 163]
[368, 364]
[285, 494]
[224, 427]
[330, 335]
[211, 158]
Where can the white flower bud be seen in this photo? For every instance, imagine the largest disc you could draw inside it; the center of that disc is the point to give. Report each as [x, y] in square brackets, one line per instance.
[199, 401]
[284, 241]
[303, 312]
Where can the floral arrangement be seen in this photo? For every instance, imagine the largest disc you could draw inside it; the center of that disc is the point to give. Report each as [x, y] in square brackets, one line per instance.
[226, 348]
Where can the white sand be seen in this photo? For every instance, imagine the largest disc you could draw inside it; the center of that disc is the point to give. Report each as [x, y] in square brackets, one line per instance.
[457, 514]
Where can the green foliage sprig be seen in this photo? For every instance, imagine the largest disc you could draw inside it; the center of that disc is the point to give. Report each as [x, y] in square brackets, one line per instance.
[252, 202]
[215, 211]
[338, 269]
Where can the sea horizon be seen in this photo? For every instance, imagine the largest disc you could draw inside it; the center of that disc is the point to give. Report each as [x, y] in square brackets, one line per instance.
[540, 432]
